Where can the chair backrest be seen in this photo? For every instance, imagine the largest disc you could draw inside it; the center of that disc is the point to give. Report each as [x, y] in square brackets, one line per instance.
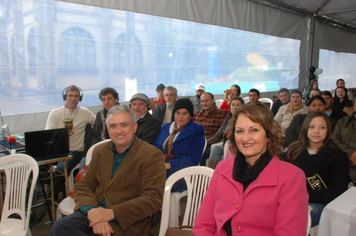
[197, 179]
[218, 102]
[246, 100]
[310, 208]
[17, 169]
[91, 149]
[267, 100]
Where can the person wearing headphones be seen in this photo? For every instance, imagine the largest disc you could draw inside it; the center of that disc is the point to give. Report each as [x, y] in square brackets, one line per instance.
[80, 117]
[148, 127]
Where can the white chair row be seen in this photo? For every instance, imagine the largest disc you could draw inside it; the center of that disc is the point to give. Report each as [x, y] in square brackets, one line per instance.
[17, 169]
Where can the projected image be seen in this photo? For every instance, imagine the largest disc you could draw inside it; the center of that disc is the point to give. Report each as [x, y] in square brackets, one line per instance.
[336, 65]
[47, 45]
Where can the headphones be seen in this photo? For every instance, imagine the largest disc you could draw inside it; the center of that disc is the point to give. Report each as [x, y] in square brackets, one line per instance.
[143, 97]
[72, 88]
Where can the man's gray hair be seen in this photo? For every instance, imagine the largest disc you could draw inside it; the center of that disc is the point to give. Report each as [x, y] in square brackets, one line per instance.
[120, 109]
[170, 88]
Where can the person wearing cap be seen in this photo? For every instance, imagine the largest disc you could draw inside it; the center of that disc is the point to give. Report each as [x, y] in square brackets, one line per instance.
[148, 127]
[181, 141]
[163, 112]
[199, 90]
[160, 96]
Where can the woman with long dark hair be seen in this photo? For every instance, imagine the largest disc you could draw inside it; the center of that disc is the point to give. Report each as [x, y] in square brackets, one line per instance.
[324, 164]
[254, 193]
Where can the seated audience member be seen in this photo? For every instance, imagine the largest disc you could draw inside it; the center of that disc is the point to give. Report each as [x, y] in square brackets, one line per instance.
[80, 116]
[229, 95]
[160, 97]
[148, 127]
[211, 118]
[283, 99]
[109, 97]
[335, 114]
[181, 141]
[287, 112]
[253, 95]
[317, 103]
[163, 112]
[313, 84]
[254, 193]
[199, 90]
[324, 164]
[341, 83]
[123, 186]
[236, 89]
[217, 142]
[341, 101]
[312, 93]
[345, 139]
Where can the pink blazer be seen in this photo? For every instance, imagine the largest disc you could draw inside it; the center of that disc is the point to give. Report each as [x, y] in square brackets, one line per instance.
[276, 203]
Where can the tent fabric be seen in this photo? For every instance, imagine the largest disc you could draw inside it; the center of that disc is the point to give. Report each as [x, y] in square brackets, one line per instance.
[237, 14]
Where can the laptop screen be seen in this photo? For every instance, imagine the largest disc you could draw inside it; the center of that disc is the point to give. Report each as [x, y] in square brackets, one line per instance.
[47, 144]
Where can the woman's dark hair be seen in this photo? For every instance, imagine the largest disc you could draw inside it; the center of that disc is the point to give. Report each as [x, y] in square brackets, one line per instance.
[317, 97]
[237, 88]
[296, 148]
[260, 114]
[337, 105]
[311, 83]
[296, 91]
[238, 99]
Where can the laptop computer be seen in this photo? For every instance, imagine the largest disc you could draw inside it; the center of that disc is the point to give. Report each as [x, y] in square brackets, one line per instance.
[47, 144]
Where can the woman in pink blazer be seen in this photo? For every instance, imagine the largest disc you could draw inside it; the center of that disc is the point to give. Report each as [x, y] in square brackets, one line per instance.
[254, 193]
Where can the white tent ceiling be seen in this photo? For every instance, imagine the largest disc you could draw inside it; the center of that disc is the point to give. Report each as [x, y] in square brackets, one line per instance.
[339, 13]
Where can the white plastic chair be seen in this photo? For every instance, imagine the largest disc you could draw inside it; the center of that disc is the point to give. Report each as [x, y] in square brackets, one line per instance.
[66, 206]
[218, 102]
[246, 100]
[17, 169]
[197, 179]
[267, 100]
[309, 220]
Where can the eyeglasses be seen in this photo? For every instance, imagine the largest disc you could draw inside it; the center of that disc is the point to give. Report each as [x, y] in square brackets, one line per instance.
[73, 96]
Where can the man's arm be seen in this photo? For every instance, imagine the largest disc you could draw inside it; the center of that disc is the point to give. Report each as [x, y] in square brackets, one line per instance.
[52, 121]
[337, 138]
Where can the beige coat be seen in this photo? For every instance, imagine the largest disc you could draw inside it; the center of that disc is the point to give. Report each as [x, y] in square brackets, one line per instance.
[284, 117]
[134, 193]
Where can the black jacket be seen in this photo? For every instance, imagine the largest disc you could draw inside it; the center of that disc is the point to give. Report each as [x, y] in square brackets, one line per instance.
[332, 165]
[148, 128]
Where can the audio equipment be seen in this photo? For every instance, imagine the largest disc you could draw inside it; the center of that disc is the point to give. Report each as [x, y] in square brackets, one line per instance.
[72, 87]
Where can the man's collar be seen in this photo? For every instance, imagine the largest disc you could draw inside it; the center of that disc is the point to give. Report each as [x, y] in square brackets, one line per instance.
[113, 147]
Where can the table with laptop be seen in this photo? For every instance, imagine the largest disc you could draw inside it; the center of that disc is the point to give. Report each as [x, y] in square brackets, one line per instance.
[47, 147]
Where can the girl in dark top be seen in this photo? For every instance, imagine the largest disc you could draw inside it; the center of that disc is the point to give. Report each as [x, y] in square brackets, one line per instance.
[324, 164]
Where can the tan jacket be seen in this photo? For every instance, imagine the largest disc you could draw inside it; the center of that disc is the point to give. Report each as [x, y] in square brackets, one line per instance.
[284, 117]
[134, 193]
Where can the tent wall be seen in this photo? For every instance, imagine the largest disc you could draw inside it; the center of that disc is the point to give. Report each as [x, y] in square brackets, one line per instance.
[237, 14]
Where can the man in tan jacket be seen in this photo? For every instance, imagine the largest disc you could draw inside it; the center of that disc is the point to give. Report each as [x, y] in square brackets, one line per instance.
[123, 186]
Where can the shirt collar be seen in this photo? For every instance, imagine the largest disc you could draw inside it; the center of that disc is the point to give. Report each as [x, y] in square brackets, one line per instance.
[113, 148]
